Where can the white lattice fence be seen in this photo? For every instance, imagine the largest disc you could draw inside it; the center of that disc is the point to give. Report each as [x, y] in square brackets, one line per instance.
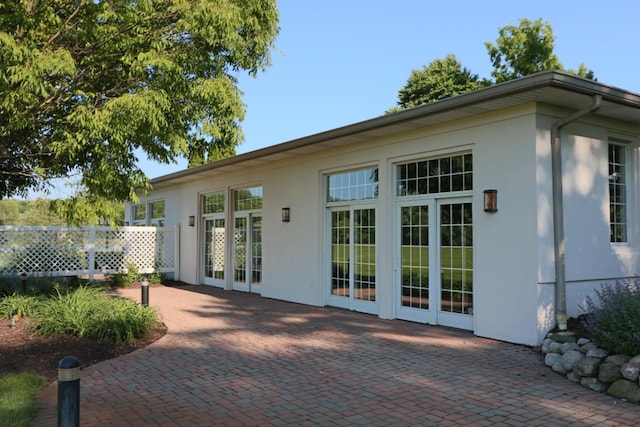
[63, 251]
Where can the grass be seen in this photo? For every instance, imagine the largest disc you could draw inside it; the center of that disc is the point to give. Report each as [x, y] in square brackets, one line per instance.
[17, 398]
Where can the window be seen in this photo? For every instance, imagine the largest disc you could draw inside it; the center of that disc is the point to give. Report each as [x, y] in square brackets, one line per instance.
[213, 203]
[140, 215]
[356, 185]
[443, 175]
[617, 192]
[152, 213]
[248, 199]
[157, 213]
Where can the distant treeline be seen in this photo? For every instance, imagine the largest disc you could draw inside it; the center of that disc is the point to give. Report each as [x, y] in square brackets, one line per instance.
[36, 212]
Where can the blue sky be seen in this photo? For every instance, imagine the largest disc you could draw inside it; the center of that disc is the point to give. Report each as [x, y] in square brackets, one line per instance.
[338, 62]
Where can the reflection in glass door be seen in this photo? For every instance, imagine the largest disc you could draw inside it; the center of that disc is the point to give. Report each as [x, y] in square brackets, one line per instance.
[247, 253]
[353, 259]
[214, 238]
[456, 263]
[435, 263]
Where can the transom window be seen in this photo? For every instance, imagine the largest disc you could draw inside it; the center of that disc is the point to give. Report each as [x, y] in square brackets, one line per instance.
[617, 192]
[248, 199]
[442, 175]
[354, 185]
[213, 203]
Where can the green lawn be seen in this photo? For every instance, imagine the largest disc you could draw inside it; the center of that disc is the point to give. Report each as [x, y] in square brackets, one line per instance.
[17, 398]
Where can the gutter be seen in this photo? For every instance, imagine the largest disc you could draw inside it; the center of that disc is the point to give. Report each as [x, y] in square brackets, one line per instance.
[559, 243]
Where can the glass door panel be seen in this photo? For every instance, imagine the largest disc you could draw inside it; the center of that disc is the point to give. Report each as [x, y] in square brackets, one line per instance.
[414, 257]
[340, 253]
[247, 253]
[214, 247]
[353, 259]
[456, 265]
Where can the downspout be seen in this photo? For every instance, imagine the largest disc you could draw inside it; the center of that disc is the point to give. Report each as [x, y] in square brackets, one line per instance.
[558, 209]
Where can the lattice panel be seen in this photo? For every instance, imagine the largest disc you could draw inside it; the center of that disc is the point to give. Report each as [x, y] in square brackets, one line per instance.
[61, 251]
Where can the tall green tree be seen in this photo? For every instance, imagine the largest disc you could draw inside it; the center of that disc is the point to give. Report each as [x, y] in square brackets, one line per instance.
[441, 78]
[86, 83]
[526, 49]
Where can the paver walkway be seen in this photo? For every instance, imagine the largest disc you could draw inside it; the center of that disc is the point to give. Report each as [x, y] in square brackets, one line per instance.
[234, 359]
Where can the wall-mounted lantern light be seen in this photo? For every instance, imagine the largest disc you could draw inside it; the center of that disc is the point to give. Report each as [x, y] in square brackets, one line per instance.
[192, 221]
[490, 200]
[286, 214]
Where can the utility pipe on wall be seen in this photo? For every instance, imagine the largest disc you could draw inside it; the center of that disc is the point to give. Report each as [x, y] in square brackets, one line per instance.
[558, 209]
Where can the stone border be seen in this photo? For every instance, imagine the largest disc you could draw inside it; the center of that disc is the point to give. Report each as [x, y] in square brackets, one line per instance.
[583, 362]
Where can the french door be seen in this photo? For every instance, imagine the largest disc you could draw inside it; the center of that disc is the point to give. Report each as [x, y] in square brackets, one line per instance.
[353, 259]
[214, 249]
[434, 262]
[247, 252]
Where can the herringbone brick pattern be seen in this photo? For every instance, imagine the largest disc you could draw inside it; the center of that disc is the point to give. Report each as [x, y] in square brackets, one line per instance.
[234, 359]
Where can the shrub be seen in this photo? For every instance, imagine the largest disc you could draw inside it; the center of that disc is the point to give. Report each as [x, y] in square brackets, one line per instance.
[88, 313]
[126, 278]
[22, 305]
[614, 319]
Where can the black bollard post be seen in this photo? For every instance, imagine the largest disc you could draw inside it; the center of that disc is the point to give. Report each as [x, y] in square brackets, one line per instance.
[69, 392]
[23, 280]
[145, 292]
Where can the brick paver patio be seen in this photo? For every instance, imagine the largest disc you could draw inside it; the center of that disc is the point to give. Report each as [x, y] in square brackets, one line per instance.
[234, 359]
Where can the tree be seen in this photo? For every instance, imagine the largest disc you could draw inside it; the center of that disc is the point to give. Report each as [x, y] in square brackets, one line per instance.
[526, 49]
[442, 78]
[85, 83]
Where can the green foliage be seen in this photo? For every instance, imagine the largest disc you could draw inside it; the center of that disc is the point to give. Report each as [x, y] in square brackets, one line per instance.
[519, 51]
[126, 278]
[526, 49]
[86, 85]
[87, 313]
[613, 317]
[21, 305]
[79, 210]
[132, 275]
[442, 78]
[17, 398]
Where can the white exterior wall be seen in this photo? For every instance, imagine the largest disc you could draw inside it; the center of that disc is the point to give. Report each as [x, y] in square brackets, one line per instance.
[513, 248]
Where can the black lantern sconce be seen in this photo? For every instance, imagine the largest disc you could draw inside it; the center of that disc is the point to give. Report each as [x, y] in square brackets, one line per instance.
[490, 200]
[192, 221]
[286, 214]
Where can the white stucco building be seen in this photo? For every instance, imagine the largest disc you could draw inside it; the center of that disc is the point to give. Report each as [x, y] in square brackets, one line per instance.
[387, 216]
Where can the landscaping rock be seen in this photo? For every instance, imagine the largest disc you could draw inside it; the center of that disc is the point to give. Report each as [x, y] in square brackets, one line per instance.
[593, 384]
[573, 377]
[555, 347]
[630, 371]
[583, 341]
[570, 358]
[570, 346]
[618, 359]
[609, 372]
[599, 353]
[552, 358]
[588, 346]
[635, 359]
[587, 367]
[562, 337]
[559, 368]
[545, 345]
[625, 389]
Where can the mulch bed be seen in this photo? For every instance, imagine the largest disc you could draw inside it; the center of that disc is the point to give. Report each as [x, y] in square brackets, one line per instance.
[23, 351]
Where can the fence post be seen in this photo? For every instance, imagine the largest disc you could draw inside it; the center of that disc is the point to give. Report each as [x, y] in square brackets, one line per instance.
[91, 258]
[23, 281]
[69, 392]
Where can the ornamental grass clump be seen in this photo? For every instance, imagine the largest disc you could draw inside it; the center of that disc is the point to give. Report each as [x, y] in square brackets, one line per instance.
[613, 317]
[88, 313]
